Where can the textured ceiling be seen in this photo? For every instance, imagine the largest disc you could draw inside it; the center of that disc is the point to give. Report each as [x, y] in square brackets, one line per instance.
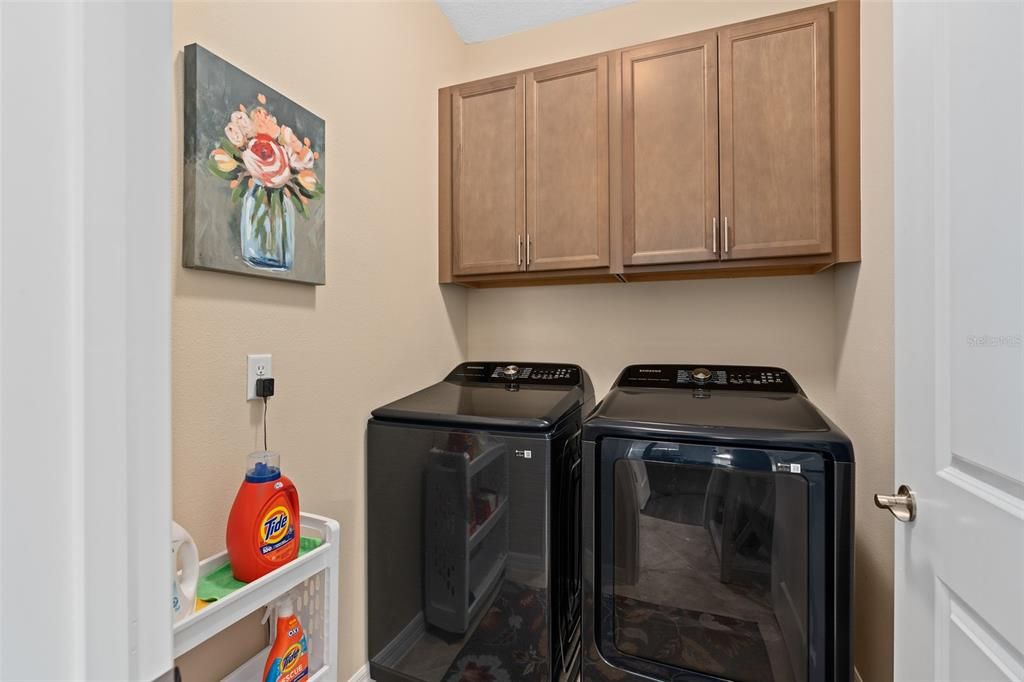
[477, 20]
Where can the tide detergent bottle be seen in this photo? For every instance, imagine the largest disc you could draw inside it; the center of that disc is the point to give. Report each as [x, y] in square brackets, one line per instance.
[288, 660]
[263, 526]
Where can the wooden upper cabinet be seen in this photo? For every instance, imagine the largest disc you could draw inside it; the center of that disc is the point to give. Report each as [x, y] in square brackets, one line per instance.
[567, 165]
[722, 153]
[775, 135]
[670, 151]
[488, 187]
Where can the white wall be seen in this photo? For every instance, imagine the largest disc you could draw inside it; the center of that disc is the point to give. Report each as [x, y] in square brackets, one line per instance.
[84, 341]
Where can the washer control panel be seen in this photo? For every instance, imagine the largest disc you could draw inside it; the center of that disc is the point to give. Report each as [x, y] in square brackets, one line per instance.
[720, 377]
[532, 373]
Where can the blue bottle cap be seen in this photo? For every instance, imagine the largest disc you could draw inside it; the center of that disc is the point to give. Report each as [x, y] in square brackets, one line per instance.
[262, 473]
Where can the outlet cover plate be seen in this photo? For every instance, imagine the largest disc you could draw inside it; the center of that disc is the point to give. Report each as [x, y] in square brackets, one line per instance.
[257, 367]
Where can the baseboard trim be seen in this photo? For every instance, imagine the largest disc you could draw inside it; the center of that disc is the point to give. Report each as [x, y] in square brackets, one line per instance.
[856, 675]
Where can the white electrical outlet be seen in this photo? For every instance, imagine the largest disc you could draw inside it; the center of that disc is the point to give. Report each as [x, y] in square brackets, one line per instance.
[258, 367]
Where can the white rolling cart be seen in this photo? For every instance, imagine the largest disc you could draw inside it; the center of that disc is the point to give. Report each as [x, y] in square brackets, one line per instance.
[312, 579]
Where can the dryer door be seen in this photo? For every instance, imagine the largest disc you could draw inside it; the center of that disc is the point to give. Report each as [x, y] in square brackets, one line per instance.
[712, 562]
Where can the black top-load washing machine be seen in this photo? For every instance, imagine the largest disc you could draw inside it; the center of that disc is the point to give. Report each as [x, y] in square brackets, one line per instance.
[718, 530]
[473, 526]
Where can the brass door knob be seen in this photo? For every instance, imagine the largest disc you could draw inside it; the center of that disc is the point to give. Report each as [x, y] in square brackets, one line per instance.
[902, 505]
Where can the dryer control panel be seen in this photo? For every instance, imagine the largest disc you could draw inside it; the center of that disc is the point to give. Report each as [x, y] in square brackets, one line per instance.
[718, 377]
[526, 373]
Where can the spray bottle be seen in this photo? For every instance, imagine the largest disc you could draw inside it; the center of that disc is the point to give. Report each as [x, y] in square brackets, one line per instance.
[288, 660]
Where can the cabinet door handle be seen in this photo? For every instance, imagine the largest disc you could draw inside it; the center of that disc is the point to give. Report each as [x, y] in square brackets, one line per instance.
[725, 235]
[714, 234]
[527, 250]
[519, 250]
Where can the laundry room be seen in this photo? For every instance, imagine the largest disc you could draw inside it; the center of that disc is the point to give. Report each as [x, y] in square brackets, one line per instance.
[526, 341]
[383, 327]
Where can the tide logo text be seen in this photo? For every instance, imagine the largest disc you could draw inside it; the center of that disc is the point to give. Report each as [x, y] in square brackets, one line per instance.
[275, 524]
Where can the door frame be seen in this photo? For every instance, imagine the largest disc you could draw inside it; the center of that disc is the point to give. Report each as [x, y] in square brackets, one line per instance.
[85, 341]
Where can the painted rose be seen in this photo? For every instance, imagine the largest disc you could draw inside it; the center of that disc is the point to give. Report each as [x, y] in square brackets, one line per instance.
[235, 135]
[264, 123]
[225, 162]
[307, 179]
[289, 140]
[244, 124]
[300, 156]
[267, 161]
[301, 160]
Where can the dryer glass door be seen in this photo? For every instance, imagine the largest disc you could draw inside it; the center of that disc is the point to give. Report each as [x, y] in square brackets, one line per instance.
[712, 561]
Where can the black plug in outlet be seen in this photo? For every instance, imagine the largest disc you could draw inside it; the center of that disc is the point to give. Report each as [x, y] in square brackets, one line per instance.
[264, 388]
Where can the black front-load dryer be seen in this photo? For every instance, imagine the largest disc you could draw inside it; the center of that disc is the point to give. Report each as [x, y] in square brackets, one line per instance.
[473, 526]
[718, 530]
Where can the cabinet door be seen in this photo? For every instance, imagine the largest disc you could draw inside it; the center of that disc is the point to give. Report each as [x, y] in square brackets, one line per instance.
[488, 178]
[670, 151]
[776, 165]
[567, 165]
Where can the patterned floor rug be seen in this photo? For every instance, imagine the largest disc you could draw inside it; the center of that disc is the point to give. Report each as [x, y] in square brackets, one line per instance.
[726, 647]
[510, 643]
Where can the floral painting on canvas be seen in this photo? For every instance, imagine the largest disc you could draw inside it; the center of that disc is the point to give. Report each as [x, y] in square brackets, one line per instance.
[254, 176]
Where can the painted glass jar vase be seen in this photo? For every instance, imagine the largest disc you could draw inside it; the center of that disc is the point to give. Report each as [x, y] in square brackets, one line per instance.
[267, 229]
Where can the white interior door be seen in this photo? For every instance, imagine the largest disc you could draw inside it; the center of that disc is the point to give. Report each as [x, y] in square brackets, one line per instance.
[959, 115]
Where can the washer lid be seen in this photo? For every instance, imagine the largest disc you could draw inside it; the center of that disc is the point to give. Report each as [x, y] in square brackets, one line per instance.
[710, 409]
[710, 400]
[496, 395]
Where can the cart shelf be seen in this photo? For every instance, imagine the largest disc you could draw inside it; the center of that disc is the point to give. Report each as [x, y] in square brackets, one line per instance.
[253, 670]
[316, 570]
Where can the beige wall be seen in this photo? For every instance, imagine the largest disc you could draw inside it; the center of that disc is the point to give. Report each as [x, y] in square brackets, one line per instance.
[379, 329]
[832, 330]
[864, 349]
[785, 321]
[622, 26]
